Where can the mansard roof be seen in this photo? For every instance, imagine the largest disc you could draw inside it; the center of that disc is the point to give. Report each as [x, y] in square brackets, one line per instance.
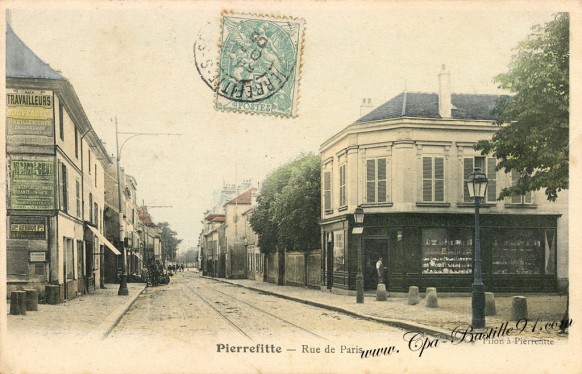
[22, 62]
[426, 105]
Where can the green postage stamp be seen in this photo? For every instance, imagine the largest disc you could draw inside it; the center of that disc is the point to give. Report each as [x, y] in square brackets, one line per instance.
[259, 64]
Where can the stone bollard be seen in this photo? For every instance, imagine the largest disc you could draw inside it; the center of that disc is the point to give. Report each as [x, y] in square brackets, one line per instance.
[52, 294]
[18, 302]
[413, 295]
[381, 294]
[490, 309]
[31, 299]
[519, 308]
[431, 297]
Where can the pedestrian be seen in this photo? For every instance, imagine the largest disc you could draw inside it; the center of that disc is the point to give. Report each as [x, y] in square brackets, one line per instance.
[380, 270]
[182, 267]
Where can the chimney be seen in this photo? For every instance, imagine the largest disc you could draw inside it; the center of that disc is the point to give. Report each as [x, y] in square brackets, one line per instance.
[366, 106]
[445, 105]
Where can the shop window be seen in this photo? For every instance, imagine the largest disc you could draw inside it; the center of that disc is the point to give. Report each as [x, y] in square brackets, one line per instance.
[79, 258]
[69, 256]
[433, 179]
[487, 166]
[376, 180]
[520, 199]
[522, 251]
[342, 185]
[339, 259]
[327, 190]
[447, 251]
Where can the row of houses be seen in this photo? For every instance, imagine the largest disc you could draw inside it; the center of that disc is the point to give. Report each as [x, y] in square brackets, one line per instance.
[405, 163]
[63, 207]
[228, 245]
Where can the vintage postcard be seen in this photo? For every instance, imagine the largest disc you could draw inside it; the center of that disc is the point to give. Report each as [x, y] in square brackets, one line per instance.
[290, 187]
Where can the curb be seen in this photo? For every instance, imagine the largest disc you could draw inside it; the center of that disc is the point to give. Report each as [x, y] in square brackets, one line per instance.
[109, 323]
[403, 324]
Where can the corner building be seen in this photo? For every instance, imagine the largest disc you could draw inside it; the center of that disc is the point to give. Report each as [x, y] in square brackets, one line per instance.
[55, 187]
[406, 163]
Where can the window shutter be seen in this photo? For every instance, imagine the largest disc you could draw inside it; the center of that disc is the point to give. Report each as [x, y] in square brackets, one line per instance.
[427, 178]
[467, 169]
[381, 180]
[370, 181]
[492, 177]
[439, 179]
[327, 190]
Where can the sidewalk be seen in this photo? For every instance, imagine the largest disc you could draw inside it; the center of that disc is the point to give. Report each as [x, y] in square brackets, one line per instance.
[86, 316]
[453, 310]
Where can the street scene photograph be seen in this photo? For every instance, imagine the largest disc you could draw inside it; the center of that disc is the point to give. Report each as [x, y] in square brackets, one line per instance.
[290, 187]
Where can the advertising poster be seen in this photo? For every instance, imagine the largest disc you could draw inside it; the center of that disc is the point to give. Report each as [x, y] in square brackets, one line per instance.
[291, 187]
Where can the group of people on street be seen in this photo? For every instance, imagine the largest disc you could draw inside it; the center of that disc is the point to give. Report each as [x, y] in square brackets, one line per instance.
[176, 268]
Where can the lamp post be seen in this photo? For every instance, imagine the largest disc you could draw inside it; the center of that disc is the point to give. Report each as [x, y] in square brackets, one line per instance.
[477, 186]
[123, 277]
[359, 230]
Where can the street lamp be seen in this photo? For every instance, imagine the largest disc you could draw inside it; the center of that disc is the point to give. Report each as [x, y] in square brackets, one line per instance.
[359, 230]
[477, 185]
[123, 277]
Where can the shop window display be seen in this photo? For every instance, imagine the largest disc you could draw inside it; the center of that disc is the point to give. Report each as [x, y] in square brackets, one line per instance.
[523, 252]
[447, 251]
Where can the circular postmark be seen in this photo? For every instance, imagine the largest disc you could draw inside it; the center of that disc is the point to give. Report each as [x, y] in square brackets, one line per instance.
[257, 58]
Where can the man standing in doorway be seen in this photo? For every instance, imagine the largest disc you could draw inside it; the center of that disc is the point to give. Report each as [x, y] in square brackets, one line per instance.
[380, 270]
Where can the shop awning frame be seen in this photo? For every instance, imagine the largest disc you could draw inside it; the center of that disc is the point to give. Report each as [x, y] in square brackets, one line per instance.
[102, 238]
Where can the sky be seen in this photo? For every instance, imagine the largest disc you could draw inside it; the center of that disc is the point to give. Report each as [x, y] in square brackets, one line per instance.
[135, 63]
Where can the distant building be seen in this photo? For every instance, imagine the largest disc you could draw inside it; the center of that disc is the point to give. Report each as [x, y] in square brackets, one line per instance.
[55, 183]
[235, 234]
[406, 163]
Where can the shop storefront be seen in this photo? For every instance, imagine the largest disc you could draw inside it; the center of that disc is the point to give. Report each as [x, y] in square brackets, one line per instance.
[436, 250]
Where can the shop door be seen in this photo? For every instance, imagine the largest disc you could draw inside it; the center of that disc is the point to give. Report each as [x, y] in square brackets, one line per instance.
[374, 249]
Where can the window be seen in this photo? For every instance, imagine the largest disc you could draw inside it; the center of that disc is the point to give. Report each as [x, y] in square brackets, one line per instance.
[487, 165]
[339, 262]
[342, 185]
[433, 179]
[327, 190]
[447, 251]
[523, 251]
[89, 159]
[91, 207]
[96, 213]
[69, 257]
[64, 189]
[76, 142]
[520, 199]
[78, 197]
[95, 175]
[376, 182]
[61, 122]
[79, 258]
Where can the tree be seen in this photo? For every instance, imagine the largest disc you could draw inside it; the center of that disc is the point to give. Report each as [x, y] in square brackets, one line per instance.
[288, 207]
[169, 240]
[533, 136]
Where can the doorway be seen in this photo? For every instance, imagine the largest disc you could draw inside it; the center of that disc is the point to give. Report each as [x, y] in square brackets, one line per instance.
[374, 249]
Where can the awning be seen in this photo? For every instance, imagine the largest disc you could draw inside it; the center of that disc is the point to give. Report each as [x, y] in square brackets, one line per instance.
[104, 240]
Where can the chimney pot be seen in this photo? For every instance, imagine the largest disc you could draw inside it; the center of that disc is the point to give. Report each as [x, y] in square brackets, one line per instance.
[445, 104]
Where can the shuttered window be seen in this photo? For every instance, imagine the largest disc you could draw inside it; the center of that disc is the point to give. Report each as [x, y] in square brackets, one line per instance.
[327, 190]
[520, 199]
[342, 185]
[433, 179]
[376, 180]
[487, 166]
[64, 190]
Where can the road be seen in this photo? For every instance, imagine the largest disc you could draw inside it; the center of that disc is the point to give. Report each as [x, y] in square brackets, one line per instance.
[196, 308]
